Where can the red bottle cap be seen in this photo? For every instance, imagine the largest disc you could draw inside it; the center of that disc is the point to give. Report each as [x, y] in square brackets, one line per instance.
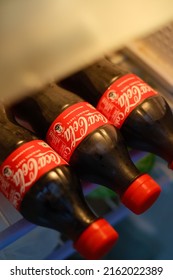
[141, 194]
[96, 240]
[170, 165]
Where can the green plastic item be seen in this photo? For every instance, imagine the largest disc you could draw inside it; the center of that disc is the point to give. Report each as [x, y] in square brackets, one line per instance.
[146, 163]
[102, 192]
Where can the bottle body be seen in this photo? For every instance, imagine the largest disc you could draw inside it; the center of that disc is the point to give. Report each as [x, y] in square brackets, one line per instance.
[142, 115]
[43, 187]
[96, 147]
[83, 137]
[153, 130]
[34, 174]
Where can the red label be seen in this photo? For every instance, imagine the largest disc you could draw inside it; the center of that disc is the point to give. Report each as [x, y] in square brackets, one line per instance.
[24, 167]
[121, 98]
[72, 126]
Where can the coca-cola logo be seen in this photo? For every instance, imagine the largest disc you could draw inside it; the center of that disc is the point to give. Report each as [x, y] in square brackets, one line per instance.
[122, 97]
[72, 126]
[127, 100]
[27, 173]
[78, 128]
[24, 167]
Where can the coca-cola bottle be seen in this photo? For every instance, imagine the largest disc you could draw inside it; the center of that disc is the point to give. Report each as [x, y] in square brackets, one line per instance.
[43, 187]
[89, 142]
[143, 116]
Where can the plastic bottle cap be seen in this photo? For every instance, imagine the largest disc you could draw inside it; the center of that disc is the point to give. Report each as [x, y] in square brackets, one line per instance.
[170, 165]
[141, 194]
[96, 240]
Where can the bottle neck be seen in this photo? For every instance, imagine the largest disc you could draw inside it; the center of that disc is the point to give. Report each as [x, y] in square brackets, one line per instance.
[102, 74]
[41, 109]
[12, 137]
[93, 81]
[149, 128]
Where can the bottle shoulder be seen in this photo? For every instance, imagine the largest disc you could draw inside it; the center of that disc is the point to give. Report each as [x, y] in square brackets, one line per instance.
[11, 138]
[102, 140]
[152, 109]
[103, 74]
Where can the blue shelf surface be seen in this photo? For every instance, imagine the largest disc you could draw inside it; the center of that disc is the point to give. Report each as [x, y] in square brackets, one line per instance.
[14, 232]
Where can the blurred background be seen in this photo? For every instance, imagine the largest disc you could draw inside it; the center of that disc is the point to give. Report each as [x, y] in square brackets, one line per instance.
[42, 41]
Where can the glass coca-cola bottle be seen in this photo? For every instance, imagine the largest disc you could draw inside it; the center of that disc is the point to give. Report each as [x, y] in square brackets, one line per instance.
[43, 187]
[89, 142]
[143, 116]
